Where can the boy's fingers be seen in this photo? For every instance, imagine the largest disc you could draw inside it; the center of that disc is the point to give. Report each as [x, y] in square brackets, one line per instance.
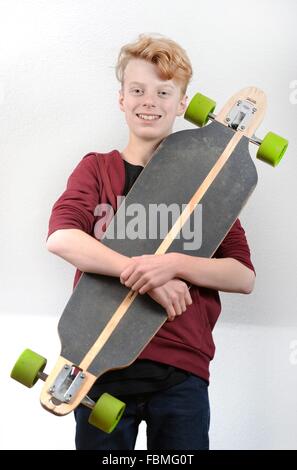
[188, 298]
[177, 308]
[170, 313]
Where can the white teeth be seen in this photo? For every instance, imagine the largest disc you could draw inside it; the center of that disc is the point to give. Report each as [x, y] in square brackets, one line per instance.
[148, 118]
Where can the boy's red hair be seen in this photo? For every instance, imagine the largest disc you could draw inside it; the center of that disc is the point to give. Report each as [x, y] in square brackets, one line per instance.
[170, 58]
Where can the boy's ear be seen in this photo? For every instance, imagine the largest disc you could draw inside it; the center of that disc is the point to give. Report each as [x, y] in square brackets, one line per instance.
[121, 99]
[182, 105]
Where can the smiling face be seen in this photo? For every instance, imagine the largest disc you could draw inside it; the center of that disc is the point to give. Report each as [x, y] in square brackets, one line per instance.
[150, 104]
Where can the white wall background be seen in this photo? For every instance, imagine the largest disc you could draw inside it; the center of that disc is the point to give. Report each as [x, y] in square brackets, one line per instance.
[58, 101]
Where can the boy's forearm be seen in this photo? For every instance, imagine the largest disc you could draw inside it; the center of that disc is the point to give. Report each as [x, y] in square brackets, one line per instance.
[86, 253]
[224, 274]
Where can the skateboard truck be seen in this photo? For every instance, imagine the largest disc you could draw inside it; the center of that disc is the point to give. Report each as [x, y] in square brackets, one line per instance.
[87, 401]
[67, 383]
[68, 390]
[239, 117]
[242, 113]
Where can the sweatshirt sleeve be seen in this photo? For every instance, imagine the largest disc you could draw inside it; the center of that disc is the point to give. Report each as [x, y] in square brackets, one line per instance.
[75, 207]
[235, 246]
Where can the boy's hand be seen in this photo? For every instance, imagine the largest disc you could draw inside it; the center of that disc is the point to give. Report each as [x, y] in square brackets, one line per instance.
[147, 272]
[174, 296]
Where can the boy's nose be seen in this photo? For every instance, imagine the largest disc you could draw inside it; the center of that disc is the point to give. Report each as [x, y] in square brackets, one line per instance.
[148, 100]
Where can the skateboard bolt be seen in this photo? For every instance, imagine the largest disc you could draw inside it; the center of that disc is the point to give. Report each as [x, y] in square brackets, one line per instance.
[52, 389]
[238, 102]
[254, 110]
[82, 375]
[67, 399]
[228, 119]
[66, 367]
[242, 127]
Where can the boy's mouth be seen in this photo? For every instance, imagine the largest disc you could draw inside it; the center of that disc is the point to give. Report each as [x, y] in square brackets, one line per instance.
[148, 117]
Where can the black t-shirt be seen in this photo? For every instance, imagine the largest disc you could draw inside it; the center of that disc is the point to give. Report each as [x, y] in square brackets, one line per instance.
[143, 376]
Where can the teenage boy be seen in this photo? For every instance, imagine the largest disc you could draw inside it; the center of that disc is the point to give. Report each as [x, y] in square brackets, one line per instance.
[167, 386]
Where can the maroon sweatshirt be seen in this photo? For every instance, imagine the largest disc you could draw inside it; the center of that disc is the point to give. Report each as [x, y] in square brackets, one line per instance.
[186, 342]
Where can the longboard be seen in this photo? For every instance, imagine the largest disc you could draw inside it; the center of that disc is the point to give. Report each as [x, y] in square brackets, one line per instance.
[105, 325]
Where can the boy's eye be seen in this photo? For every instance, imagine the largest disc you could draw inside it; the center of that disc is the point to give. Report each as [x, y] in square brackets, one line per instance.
[138, 90]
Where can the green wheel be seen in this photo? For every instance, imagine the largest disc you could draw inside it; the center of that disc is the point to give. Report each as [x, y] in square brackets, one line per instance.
[272, 149]
[199, 109]
[107, 413]
[27, 367]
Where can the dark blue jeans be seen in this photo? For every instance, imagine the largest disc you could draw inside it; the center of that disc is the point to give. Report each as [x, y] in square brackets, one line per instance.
[176, 418]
